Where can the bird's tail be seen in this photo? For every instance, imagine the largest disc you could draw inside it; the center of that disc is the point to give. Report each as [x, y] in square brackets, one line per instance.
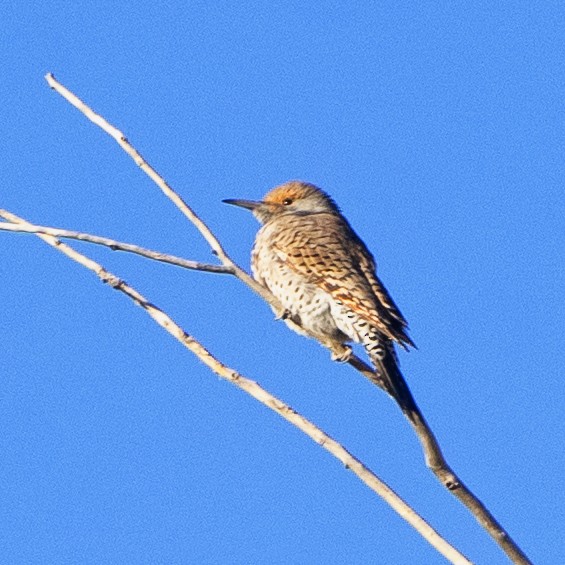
[394, 382]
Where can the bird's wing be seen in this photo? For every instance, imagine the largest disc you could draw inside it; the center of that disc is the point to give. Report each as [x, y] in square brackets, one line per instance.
[385, 304]
[326, 251]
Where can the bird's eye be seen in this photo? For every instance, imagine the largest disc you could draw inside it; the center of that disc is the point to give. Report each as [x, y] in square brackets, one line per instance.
[287, 201]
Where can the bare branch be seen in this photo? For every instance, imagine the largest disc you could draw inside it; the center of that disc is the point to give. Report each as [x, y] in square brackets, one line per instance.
[122, 141]
[112, 244]
[256, 391]
[434, 457]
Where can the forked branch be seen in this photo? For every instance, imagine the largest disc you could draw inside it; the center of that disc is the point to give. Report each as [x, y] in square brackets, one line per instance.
[434, 457]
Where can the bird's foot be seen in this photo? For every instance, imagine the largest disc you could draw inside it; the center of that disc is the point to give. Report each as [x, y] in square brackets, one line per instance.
[282, 314]
[341, 354]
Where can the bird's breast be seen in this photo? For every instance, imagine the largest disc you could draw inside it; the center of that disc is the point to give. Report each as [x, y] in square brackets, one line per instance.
[303, 299]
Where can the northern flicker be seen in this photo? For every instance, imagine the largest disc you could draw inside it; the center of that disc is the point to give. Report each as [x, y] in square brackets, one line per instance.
[309, 257]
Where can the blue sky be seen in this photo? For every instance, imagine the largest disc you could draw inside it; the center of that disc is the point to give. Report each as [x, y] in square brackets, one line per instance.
[437, 127]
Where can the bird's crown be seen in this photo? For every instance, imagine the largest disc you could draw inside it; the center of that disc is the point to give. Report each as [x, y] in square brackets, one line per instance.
[299, 196]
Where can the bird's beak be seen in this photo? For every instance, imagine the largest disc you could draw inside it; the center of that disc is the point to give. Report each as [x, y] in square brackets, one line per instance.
[249, 204]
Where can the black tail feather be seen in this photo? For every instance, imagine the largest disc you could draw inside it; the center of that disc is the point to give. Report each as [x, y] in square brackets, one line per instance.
[395, 384]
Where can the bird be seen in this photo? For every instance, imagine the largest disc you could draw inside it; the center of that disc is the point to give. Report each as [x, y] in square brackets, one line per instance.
[310, 258]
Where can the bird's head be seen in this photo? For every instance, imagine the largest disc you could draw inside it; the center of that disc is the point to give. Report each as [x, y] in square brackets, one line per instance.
[294, 197]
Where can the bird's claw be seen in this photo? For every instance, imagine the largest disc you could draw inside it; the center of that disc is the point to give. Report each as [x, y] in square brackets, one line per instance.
[342, 355]
[283, 314]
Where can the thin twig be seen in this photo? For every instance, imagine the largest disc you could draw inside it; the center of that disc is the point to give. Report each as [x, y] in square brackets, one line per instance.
[112, 244]
[260, 394]
[122, 141]
[434, 457]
